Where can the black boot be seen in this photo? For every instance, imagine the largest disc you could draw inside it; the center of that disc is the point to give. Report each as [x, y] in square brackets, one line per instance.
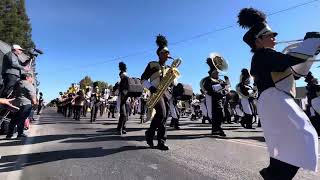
[176, 124]
[149, 138]
[218, 132]
[162, 146]
[203, 120]
[172, 122]
[259, 123]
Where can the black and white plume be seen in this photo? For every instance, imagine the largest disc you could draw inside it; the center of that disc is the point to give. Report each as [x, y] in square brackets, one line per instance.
[244, 75]
[122, 67]
[161, 41]
[249, 17]
[210, 63]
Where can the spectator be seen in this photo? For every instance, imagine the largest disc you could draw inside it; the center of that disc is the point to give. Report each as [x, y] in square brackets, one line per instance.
[25, 95]
[40, 103]
[12, 68]
[7, 102]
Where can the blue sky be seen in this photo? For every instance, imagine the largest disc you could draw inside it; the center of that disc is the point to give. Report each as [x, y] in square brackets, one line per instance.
[81, 37]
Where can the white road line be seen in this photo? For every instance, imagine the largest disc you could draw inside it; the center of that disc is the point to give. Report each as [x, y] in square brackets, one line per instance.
[248, 143]
[243, 142]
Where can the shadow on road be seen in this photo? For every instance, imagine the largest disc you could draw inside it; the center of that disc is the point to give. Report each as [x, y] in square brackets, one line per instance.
[45, 157]
[9, 163]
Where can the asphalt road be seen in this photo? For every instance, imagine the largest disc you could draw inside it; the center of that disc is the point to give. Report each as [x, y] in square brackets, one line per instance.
[60, 148]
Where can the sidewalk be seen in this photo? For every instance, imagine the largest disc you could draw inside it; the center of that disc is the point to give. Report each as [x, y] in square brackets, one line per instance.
[17, 146]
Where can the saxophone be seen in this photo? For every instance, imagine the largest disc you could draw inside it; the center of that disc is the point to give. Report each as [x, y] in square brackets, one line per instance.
[169, 77]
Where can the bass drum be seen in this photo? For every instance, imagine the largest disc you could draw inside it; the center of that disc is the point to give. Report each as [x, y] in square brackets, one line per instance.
[135, 87]
[182, 91]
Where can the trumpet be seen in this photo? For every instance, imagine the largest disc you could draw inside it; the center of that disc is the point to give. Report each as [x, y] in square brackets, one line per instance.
[293, 44]
[290, 42]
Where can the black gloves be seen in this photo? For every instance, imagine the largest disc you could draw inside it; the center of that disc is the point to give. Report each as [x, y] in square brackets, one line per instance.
[312, 35]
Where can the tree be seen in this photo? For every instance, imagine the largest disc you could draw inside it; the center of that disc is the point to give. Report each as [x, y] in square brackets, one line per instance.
[101, 84]
[14, 24]
[86, 81]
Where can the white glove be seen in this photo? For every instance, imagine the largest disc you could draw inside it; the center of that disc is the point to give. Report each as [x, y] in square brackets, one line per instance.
[308, 47]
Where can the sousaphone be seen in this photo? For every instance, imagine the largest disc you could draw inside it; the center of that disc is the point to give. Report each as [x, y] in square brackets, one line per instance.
[220, 63]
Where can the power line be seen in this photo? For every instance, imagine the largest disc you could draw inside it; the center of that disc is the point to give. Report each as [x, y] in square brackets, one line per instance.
[293, 7]
[188, 39]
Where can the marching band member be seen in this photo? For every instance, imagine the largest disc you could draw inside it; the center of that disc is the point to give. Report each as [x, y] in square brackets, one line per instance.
[59, 105]
[123, 91]
[313, 90]
[65, 100]
[214, 89]
[69, 103]
[142, 105]
[203, 106]
[313, 108]
[245, 92]
[79, 102]
[155, 71]
[226, 103]
[87, 105]
[194, 107]
[112, 103]
[103, 100]
[105, 97]
[254, 104]
[95, 103]
[291, 140]
[175, 115]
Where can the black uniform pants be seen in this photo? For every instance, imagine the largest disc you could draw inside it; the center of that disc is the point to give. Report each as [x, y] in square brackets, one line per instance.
[18, 119]
[84, 110]
[217, 118]
[39, 108]
[112, 108]
[69, 106]
[9, 80]
[94, 111]
[78, 109]
[159, 121]
[123, 115]
[102, 107]
[65, 110]
[247, 121]
[227, 113]
[278, 170]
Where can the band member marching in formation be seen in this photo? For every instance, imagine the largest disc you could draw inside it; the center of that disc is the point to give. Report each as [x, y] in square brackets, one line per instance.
[246, 95]
[215, 92]
[291, 140]
[142, 105]
[95, 103]
[79, 102]
[123, 95]
[203, 106]
[87, 104]
[175, 114]
[155, 71]
[226, 102]
[313, 95]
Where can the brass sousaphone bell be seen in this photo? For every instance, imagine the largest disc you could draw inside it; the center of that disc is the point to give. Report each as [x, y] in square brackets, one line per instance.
[219, 62]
